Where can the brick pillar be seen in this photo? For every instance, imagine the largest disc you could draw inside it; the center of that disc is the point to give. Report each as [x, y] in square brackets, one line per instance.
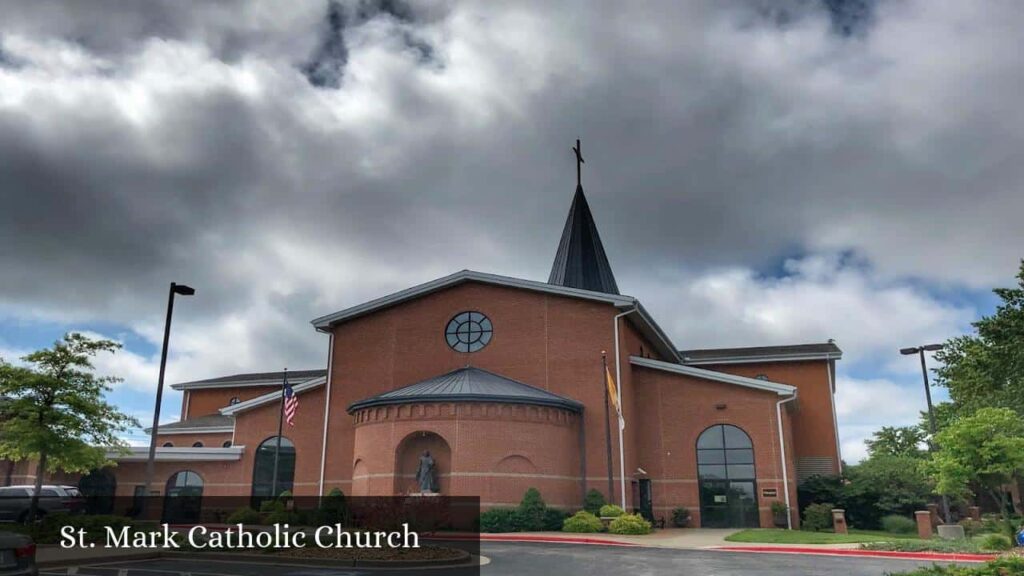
[924, 524]
[933, 509]
[839, 520]
[974, 512]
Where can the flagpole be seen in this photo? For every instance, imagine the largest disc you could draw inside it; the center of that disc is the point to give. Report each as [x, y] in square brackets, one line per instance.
[622, 424]
[607, 425]
[280, 429]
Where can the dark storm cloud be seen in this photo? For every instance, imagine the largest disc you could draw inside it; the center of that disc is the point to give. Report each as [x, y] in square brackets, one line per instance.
[201, 145]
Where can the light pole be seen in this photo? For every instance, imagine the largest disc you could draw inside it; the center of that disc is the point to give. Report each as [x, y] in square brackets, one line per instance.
[920, 350]
[151, 460]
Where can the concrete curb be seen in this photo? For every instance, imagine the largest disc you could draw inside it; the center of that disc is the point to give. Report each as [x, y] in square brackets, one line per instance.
[541, 540]
[894, 555]
[463, 558]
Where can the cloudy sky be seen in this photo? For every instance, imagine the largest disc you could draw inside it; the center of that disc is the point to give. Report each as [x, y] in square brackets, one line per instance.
[762, 172]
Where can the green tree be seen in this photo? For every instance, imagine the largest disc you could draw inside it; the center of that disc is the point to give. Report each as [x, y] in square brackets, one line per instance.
[901, 441]
[986, 369]
[56, 413]
[885, 484]
[983, 450]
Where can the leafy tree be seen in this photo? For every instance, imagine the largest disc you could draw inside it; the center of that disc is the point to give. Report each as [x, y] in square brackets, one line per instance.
[983, 450]
[900, 441]
[986, 369]
[56, 413]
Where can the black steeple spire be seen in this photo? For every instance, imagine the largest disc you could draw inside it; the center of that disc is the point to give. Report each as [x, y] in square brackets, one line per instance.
[580, 261]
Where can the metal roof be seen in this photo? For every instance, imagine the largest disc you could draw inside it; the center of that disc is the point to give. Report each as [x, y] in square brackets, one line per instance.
[756, 383]
[580, 261]
[469, 384]
[250, 379]
[792, 353]
[210, 424]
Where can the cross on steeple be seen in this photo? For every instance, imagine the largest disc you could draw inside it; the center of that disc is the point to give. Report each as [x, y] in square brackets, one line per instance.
[579, 162]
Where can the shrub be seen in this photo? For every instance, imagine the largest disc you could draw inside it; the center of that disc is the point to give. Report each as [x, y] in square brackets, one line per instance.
[1007, 566]
[593, 501]
[897, 524]
[611, 511]
[630, 524]
[333, 509]
[269, 506]
[996, 543]
[681, 517]
[818, 517]
[531, 511]
[971, 527]
[499, 520]
[244, 516]
[554, 519]
[582, 522]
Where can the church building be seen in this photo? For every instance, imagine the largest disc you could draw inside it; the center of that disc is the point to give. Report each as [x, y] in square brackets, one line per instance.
[505, 381]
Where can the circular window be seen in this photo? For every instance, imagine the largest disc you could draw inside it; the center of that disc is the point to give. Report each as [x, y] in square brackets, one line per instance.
[468, 332]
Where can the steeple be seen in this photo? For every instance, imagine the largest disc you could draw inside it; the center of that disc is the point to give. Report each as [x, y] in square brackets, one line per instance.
[580, 261]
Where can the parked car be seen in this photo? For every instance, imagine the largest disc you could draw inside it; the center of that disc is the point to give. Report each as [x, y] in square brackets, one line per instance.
[15, 501]
[17, 555]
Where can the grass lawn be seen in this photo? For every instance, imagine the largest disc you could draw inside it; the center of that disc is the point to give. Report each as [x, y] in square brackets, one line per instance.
[781, 536]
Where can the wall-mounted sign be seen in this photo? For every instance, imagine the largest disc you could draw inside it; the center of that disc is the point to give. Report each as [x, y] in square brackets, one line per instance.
[721, 499]
[769, 492]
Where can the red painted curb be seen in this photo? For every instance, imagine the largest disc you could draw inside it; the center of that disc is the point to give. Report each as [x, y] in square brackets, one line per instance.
[937, 556]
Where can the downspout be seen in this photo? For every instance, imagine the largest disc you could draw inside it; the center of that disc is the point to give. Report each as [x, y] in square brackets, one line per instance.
[327, 412]
[782, 451]
[618, 392]
[829, 367]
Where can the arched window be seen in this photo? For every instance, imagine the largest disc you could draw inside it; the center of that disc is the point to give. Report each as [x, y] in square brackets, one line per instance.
[725, 466]
[183, 497]
[263, 485]
[168, 445]
[197, 444]
[226, 444]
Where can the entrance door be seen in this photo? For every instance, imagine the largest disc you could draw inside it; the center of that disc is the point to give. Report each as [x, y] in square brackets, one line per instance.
[728, 490]
[646, 507]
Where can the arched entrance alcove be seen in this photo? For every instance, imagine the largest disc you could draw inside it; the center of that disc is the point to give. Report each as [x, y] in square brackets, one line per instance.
[407, 461]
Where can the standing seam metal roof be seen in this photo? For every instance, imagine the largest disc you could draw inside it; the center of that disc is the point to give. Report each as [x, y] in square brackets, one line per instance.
[469, 384]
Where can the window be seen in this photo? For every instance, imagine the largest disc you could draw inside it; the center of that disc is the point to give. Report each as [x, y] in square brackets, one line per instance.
[724, 452]
[468, 332]
[183, 497]
[197, 444]
[168, 445]
[226, 444]
[263, 485]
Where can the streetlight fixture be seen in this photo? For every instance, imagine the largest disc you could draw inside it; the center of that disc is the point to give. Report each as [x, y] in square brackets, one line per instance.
[181, 290]
[920, 350]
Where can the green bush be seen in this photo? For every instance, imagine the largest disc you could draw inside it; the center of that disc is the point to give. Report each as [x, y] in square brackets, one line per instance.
[244, 516]
[630, 524]
[498, 520]
[582, 522]
[681, 517]
[996, 543]
[47, 530]
[593, 501]
[333, 509]
[818, 517]
[971, 527]
[269, 506]
[611, 511]
[554, 519]
[531, 511]
[1007, 566]
[897, 524]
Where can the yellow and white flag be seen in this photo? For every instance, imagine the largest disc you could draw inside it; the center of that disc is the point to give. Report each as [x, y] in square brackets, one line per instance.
[613, 394]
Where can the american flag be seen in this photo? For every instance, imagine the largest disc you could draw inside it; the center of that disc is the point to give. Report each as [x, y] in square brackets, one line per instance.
[291, 403]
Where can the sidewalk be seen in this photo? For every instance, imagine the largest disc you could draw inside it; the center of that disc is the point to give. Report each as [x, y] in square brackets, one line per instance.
[678, 538]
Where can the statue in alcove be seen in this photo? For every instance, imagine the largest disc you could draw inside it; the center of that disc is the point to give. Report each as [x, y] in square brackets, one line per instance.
[425, 474]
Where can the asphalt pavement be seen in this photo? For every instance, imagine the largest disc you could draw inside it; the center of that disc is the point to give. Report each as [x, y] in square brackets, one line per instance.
[519, 559]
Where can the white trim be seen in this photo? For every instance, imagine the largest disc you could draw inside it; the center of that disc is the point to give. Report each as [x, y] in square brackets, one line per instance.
[327, 413]
[835, 421]
[755, 358]
[782, 453]
[141, 454]
[325, 322]
[206, 430]
[228, 384]
[780, 389]
[271, 397]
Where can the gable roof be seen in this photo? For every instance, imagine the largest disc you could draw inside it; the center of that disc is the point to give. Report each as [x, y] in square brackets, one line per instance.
[250, 379]
[791, 353]
[755, 383]
[580, 261]
[469, 384]
[639, 316]
[209, 424]
[275, 396]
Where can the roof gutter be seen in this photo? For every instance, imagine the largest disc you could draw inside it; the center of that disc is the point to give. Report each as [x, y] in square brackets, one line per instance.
[782, 453]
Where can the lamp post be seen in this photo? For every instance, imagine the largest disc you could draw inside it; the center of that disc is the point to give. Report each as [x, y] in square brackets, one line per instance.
[182, 290]
[920, 350]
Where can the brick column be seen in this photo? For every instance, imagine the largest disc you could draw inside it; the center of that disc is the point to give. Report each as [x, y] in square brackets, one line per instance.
[933, 509]
[839, 520]
[924, 524]
[974, 512]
